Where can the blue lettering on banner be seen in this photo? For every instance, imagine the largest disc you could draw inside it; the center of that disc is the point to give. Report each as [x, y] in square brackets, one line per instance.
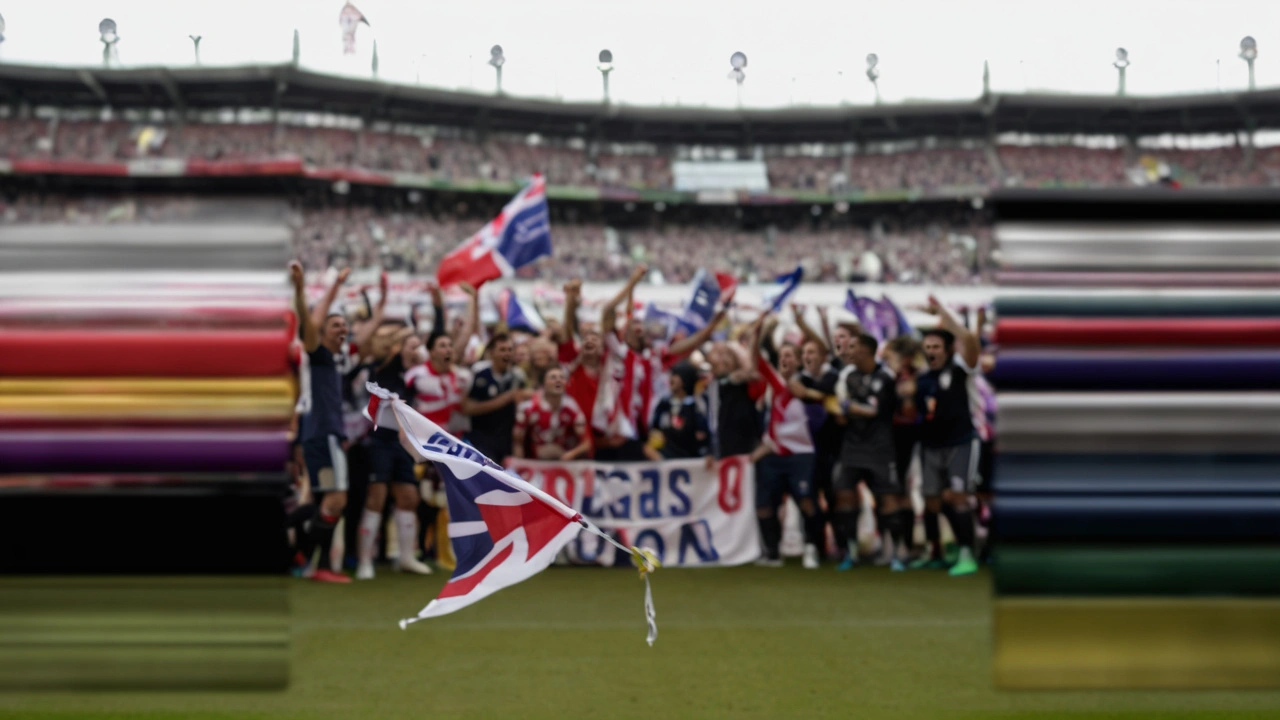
[648, 501]
[621, 508]
[653, 541]
[589, 547]
[678, 477]
[589, 508]
[697, 536]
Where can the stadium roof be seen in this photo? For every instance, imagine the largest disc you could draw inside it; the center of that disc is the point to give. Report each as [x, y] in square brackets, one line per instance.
[291, 88]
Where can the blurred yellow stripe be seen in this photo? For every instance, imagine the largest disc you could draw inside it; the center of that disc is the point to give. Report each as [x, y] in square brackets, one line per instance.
[1157, 643]
[283, 386]
[140, 407]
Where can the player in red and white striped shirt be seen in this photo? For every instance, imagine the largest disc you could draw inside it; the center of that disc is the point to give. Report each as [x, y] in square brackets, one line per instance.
[631, 376]
[784, 461]
[550, 425]
[438, 387]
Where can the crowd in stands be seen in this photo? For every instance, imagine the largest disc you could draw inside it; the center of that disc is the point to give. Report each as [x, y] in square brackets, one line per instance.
[925, 247]
[510, 158]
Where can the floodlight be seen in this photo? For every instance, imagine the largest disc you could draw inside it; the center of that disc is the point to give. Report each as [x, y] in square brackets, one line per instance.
[1, 28]
[107, 29]
[1122, 58]
[605, 66]
[738, 61]
[496, 58]
[1249, 48]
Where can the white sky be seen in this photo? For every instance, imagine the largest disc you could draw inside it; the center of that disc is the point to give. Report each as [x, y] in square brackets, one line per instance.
[669, 51]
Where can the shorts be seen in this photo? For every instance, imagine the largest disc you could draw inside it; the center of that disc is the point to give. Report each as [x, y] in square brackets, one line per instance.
[881, 477]
[326, 463]
[389, 462]
[949, 468]
[905, 440]
[778, 475]
[986, 467]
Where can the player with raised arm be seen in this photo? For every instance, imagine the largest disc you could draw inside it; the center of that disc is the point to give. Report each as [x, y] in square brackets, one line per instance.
[948, 442]
[323, 435]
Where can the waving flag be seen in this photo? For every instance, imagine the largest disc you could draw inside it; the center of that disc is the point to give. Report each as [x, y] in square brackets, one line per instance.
[777, 296]
[349, 19]
[518, 236]
[503, 530]
[659, 322]
[703, 296]
[728, 286]
[864, 309]
[904, 327]
[519, 315]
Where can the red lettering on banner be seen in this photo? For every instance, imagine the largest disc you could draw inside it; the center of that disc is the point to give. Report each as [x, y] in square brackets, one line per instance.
[558, 483]
[730, 495]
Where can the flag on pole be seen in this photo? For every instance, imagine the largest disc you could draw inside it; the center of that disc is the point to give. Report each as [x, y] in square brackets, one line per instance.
[518, 236]
[349, 18]
[503, 530]
[518, 314]
[776, 297]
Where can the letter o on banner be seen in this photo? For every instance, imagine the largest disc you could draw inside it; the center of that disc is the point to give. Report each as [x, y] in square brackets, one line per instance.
[730, 495]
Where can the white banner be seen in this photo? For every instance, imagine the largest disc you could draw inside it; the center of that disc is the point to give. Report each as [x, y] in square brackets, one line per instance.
[689, 516]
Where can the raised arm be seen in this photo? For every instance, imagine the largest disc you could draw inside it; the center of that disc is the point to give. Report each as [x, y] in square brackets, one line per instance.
[469, 327]
[439, 324]
[809, 333]
[366, 331]
[307, 330]
[572, 299]
[609, 316]
[966, 341]
[826, 328]
[686, 345]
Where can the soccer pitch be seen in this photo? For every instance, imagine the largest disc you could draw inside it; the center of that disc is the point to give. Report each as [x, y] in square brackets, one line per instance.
[735, 643]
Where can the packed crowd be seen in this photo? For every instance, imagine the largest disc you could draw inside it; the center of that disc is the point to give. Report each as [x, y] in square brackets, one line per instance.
[510, 158]
[923, 247]
[830, 416]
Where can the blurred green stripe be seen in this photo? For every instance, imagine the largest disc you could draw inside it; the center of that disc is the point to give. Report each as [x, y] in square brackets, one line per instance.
[1136, 570]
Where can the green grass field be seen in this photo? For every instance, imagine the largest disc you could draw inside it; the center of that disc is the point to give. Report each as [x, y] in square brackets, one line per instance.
[735, 643]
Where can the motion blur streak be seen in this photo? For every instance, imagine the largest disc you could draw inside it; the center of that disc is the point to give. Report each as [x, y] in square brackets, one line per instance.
[1137, 492]
[146, 397]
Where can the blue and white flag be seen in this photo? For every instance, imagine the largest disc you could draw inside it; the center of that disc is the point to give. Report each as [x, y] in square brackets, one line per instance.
[659, 323]
[703, 296]
[777, 296]
[518, 314]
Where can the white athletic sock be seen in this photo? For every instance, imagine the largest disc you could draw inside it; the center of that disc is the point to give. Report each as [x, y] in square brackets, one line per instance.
[369, 523]
[407, 533]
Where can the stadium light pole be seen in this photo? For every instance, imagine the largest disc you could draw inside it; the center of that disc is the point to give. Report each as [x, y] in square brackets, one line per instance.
[1249, 53]
[195, 41]
[605, 66]
[297, 47]
[109, 37]
[873, 73]
[1121, 65]
[738, 61]
[497, 60]
[2, 28]
[373, 64]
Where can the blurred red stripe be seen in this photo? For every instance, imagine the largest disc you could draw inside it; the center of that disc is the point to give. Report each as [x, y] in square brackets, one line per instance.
[1217, 332]
[179, 353]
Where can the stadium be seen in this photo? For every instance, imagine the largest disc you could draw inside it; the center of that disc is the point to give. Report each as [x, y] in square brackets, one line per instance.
[165, 393]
